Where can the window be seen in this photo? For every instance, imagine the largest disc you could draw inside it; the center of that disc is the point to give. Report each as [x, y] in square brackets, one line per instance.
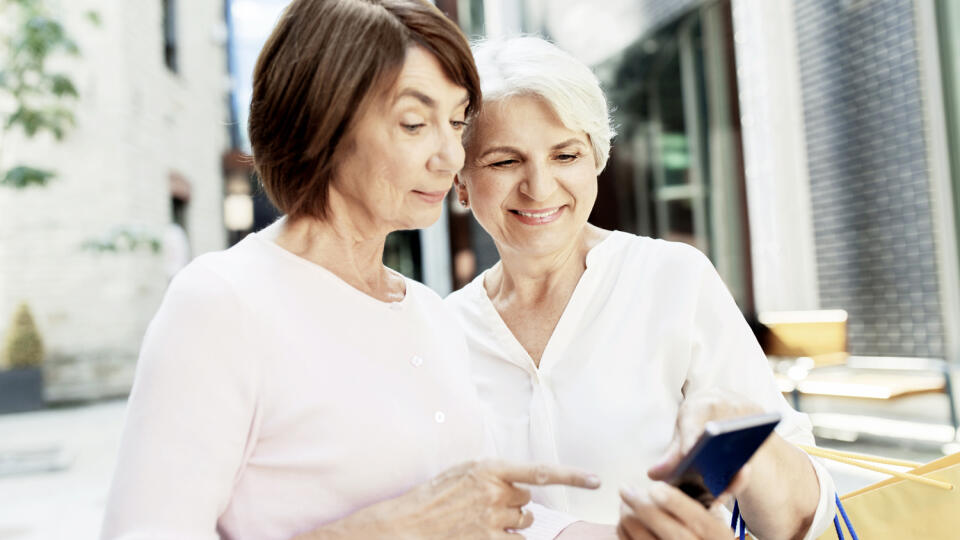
[948, 19]
[170, 34]
[678, 155]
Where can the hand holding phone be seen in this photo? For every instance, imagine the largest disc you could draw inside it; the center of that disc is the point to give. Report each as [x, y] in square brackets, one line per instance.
[721, 451]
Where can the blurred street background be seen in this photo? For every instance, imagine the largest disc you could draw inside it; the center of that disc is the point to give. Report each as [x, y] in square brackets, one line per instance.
[811, 148]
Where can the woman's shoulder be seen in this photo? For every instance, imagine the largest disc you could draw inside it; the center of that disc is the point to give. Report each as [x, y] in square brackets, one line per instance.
[217, 275]
[467, 294]
[421, 292]
[627, 250]
[467, 303]
[428, 298]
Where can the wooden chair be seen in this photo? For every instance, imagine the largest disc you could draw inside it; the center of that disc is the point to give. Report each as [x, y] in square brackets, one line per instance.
[808, 351]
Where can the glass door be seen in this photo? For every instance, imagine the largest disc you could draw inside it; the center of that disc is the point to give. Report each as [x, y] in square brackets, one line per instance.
[675, 98]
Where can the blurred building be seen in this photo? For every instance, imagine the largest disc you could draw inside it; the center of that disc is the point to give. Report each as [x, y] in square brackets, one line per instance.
[810, 147]
[140, 183]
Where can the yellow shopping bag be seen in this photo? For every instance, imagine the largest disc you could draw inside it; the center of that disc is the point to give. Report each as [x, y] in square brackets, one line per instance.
[923, 503]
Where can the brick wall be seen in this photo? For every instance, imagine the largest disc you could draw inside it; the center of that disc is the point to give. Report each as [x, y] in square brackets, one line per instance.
[136, 122]
[869, 182]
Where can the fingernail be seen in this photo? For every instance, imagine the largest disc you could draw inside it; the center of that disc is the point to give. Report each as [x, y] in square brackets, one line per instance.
[627, 492]
[593, 481]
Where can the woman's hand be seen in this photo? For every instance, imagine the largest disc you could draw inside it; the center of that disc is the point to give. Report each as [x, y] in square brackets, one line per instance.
[475, 500]
[694, 413]
[781, 509]
[663, 512]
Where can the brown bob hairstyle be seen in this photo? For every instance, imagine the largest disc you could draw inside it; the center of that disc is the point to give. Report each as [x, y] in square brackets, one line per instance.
[318, 68]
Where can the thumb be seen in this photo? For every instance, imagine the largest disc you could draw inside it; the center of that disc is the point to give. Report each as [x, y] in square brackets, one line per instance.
[667, 464]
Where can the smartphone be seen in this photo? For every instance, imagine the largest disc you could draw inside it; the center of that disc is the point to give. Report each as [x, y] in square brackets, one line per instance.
[723, 448]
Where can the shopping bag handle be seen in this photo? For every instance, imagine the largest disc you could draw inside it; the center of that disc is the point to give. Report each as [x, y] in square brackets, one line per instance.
[864, 462]
[740, 527]
[860, 457]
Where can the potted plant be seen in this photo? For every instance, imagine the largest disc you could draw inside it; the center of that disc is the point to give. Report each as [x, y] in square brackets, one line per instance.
[21, 375]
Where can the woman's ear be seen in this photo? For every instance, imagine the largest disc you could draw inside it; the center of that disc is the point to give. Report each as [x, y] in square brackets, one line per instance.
[462, 196]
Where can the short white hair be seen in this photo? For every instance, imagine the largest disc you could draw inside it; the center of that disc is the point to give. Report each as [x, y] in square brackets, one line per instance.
[523, 66]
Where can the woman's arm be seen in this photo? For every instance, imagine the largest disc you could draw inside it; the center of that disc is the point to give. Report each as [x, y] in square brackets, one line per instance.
[778, 491]
[191, 411]
[785, 497]
[783, 492]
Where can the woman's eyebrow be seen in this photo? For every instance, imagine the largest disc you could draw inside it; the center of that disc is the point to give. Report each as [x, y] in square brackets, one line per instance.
[498, 149]
[568, 142]
[423, 98]
[416, 94]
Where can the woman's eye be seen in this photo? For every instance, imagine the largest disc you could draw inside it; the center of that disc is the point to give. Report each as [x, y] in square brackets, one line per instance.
[412, 128]
[458, 125]
[568, 157]
[503, 163]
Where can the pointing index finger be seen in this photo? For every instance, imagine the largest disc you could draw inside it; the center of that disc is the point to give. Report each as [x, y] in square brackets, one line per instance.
[545, 474]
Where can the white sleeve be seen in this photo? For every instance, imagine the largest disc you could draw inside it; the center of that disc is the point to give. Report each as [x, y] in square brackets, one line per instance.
[189, 415]
[726, 355]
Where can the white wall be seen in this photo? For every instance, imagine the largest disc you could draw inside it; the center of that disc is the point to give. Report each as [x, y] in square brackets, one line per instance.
[136, 122]
[778, 186]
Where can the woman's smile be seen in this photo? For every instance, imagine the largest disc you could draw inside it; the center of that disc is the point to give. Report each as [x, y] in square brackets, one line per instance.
[541, 216]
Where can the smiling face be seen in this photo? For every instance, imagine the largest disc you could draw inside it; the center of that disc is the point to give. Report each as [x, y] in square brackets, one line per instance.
[530, 181]
[403, 151]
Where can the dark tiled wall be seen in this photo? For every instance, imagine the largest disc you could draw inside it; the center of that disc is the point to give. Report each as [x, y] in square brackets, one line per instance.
[868, 173]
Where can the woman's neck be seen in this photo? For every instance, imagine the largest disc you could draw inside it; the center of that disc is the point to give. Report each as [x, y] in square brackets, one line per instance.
[522, 280]
[352, 252]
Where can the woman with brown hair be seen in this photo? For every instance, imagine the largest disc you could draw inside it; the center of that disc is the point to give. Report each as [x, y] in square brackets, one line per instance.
[292, 385]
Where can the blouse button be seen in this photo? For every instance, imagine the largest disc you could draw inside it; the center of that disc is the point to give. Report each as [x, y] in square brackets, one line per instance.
[439, 417]
[416, 361]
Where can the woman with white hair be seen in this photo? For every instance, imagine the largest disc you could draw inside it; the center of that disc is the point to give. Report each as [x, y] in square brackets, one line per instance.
[601, 349]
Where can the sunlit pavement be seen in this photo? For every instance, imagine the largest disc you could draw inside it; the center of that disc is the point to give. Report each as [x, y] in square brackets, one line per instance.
[67, 503]
[80, 444]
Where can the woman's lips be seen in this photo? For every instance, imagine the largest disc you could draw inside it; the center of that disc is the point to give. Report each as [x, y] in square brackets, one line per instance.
[431, 197]
[540, 216]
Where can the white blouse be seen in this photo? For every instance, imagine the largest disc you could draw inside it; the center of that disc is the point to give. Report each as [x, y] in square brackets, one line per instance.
[272, 397]
[649, 322]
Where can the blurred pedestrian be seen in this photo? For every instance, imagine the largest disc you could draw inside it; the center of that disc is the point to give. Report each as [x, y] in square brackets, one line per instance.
[292, 385]
[176, 249]
[602, 349]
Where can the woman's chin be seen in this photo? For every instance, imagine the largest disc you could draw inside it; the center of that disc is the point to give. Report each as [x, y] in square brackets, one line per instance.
[542, 242]
[422, 218]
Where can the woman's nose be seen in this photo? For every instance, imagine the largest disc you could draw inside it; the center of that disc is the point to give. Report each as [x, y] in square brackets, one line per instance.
[449, 156]
[538, 183]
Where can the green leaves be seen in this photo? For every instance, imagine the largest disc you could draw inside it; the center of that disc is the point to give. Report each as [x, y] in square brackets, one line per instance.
[61, 85]
[56, 120]
[23, 176]
[41, 97]
[94, 18]
[125, 238]
[39, 36]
